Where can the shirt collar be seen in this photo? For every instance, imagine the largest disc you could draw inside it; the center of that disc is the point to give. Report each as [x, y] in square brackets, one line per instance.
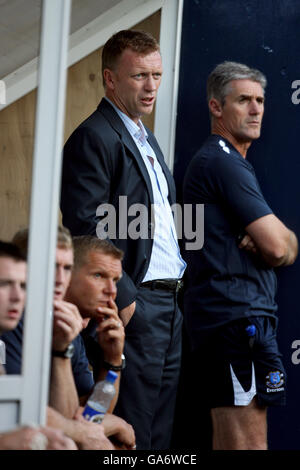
[137, 131]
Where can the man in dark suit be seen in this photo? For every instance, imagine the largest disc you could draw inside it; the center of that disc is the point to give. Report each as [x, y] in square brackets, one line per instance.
[113, 165]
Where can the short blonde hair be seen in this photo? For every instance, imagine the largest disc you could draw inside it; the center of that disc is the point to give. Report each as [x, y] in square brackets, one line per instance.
[64, 239]
[84, 244]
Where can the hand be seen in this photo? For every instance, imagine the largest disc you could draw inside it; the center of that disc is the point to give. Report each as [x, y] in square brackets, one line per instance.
[67, 324]
[117, 428]
[111, 334]
[31, 438]
[19, 439]
[78, 415]
[57, 439]
[248, 244]
[126, 313]
[92, 436]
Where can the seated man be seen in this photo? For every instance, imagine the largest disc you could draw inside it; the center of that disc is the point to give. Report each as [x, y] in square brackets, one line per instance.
[12, 286]
[66, 326]
[93, 289]
[97, 269]
[12, 301]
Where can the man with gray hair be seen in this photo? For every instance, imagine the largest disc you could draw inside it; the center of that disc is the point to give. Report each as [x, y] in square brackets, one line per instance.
[229, 299]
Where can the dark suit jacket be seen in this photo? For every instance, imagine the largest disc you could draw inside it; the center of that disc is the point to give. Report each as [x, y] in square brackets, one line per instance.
[101, 163]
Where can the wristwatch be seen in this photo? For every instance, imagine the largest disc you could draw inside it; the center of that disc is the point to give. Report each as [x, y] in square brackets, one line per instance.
[66, 354]
[109, 366]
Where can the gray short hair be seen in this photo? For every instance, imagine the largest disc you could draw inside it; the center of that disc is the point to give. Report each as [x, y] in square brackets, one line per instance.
[224, 73]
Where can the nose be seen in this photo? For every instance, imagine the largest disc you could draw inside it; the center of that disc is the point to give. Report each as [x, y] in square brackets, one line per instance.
[150, 83]
[16, 292]
[111, 288]
[59, 275]
[255, 107]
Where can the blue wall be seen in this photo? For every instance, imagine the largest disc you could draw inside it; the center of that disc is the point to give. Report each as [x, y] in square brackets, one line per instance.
[264, 34]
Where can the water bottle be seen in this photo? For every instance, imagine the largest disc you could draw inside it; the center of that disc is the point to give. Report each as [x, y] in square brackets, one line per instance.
[98, 403]
[251, 332]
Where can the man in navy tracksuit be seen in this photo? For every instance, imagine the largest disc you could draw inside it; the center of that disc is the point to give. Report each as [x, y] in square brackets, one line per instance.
[230, 287]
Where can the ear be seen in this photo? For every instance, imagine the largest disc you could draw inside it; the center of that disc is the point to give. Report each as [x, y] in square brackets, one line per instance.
[109, 78]
[215, 108]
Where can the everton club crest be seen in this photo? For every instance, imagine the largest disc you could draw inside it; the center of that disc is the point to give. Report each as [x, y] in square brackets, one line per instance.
[274, 381]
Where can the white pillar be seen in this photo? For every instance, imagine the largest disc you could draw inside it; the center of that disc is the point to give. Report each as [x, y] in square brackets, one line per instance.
[44, 209]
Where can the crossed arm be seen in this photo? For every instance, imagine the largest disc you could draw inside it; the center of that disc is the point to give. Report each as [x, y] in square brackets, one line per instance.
[272, 240]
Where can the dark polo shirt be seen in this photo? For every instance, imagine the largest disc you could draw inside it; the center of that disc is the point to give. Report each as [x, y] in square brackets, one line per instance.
[223, 282]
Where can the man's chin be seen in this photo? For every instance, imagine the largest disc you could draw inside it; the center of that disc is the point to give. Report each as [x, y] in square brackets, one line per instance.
[253, 134]
[10, 324]
[147, 110]
[247, 138]
[256, 135]
[88, 313]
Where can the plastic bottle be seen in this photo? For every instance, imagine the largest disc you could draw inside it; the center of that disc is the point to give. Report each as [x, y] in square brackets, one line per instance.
[251, 332]
[98, 403]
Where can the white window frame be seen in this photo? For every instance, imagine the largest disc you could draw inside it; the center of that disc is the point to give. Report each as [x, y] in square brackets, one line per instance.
[23, 398]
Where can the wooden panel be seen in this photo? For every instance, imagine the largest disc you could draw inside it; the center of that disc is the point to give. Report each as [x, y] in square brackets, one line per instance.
[16, 148]
[84, 91]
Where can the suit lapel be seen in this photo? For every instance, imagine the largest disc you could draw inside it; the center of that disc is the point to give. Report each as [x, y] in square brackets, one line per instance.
[107, 110]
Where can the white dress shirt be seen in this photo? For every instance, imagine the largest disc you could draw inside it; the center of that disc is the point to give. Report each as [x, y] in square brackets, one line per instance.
[166, 261]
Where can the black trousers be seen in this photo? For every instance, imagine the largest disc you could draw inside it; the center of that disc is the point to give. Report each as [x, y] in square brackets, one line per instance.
[149, 381]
